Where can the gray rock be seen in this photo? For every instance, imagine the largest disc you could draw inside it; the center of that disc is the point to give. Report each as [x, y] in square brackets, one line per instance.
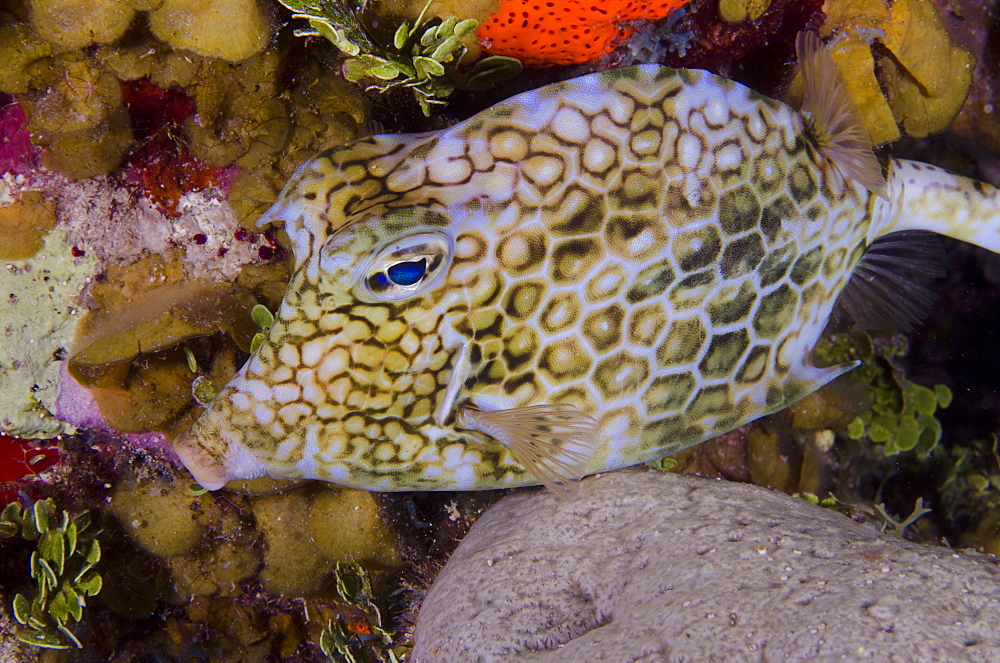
[645, 566]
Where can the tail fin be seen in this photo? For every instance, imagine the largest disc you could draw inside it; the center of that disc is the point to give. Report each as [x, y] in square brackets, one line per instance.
[924, 197]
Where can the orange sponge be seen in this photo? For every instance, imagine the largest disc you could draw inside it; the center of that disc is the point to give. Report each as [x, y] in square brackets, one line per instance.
[543, 33]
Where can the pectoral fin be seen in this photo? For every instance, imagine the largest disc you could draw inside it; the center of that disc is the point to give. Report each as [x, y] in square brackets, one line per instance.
[553, 442]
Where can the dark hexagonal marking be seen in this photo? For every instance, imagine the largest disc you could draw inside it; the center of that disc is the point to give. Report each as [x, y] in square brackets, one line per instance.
[739, 210]
[678, 206]
[579, 211]
[768, 172]
[669, 393]
[774, 213]
[469, 247]
[813, 297]
[652, 281]
[635, 237]
[754, 365]
[801, 183]
[575, 395]
[523, 298]
[484, 288]
[697, 249]
[835, 263]
[522, 251]
[606, 284]
[520, 346]
[724, 354]
[481, 325]
[692, 290]
[640, 189]
[621, 374]
[732, 304]
[682, 344]
[670, 434]
[573, 258]
[741, 256]
[646, 323]
[711, 401]
[775, 312]
[492, 372]
[775, 397]
[517, 382]
[807, 266]
[561, 312]
[776, 264]
[603, 328]
[564, 361]
[599, 156]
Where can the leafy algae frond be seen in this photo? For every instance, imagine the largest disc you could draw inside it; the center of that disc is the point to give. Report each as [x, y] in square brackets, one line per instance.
[425, 58]
[62, 567]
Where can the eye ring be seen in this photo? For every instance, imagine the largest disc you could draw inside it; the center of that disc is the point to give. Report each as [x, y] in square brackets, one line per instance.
[405, 267]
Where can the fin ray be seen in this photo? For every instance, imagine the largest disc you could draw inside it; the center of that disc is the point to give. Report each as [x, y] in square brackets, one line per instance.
[553, 442]
[839, 131]
[886, 290]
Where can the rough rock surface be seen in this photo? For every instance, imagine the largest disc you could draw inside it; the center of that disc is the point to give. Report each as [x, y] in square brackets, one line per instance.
[645, 566]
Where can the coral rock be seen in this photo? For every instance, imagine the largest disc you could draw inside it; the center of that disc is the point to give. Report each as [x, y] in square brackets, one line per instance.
[224, 29]
[163, 518]
[79, 23]
[651, 566]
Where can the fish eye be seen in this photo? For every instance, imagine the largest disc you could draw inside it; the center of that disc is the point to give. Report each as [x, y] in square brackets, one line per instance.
[409, 272]
[405, 267]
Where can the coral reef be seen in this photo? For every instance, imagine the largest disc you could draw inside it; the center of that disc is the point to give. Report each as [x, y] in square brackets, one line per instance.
[139, 136]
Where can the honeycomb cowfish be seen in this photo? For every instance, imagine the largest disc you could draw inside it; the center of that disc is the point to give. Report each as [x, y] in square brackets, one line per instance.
[587, 276]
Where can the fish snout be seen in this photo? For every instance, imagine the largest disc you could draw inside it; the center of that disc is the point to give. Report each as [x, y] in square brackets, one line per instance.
[201, 460]
[214, 457]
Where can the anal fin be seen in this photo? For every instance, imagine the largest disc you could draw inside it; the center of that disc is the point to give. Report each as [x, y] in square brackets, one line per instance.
[553, 442]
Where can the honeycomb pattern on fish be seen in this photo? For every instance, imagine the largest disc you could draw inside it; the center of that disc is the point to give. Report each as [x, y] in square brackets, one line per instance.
[659, 248]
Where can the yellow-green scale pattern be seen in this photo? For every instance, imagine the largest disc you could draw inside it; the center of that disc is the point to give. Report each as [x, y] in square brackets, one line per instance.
[660, 248]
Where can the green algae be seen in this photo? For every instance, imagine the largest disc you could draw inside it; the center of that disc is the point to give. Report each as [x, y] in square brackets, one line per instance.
[425, 58]
[900, 415]
[62, 567]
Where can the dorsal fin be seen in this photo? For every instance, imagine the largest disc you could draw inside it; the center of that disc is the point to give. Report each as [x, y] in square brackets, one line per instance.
[885, 291]
[835, 123]
[553, 442]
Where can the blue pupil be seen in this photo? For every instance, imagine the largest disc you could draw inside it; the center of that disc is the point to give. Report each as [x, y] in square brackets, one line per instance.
[407, 273]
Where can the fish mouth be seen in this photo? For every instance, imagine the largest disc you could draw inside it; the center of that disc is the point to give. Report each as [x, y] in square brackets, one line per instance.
[205, 466]
[214, 458]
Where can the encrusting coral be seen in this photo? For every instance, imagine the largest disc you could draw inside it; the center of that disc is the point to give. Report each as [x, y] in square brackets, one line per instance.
[545, 34]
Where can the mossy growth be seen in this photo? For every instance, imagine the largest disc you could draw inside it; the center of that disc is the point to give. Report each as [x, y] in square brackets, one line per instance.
[424, 57]
[900, 416]
[62, 567]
